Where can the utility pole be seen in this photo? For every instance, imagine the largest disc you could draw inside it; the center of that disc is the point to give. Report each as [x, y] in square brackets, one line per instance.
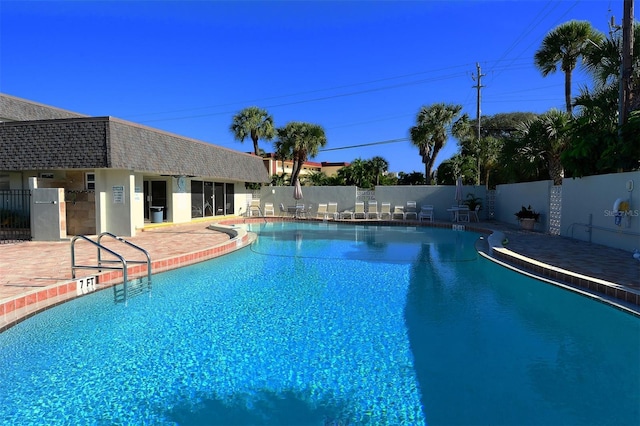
[626, 66]
[478, 86]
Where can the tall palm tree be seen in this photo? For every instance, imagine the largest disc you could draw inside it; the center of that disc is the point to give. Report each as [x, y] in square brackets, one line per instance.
[301, 141]
[255, 123]
[433, 126]
[564, 45]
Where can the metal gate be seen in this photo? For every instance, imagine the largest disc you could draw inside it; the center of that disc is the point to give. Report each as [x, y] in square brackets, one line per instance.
[15, 215]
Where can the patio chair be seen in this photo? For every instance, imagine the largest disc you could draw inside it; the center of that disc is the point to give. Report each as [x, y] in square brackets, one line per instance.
[411, 210]
[398, 213]
[285, 211]
[268, 209]
[254, 208]
[322, 211]
[332, 210]
[426, 213]
[385, 210]
[302, 211]
[359, 210]
[463, 214]
[373, 210]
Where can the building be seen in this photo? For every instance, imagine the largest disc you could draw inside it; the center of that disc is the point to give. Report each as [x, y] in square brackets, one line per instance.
[275, 166]
[116, 175]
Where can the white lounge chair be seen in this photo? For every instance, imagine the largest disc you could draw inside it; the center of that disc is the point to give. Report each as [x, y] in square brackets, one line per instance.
[269, 210]
[359, 211]
[385, 210]
[373, 210]
[411, 210]
[347, 214]
[322, 211]
[254, 208]
[426, 213]
[398, 213]
[332, 210]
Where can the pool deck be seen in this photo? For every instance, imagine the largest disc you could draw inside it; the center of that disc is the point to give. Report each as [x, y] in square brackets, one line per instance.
[37, 275]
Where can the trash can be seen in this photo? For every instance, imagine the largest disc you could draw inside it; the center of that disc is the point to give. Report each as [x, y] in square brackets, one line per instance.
[156, 214]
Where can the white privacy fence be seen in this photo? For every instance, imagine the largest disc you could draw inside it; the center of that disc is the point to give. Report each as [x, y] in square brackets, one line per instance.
[581, 208]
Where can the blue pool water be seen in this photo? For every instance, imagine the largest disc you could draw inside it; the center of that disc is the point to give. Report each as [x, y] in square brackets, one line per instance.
[329, 325]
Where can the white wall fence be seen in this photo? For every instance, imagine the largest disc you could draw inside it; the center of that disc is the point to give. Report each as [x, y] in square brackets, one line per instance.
[581, 208]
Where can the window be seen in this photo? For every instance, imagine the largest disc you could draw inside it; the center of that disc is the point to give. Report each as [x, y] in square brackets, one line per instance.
[90, 181]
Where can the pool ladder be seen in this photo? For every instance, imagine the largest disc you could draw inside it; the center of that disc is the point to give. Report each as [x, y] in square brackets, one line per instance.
[121, 292]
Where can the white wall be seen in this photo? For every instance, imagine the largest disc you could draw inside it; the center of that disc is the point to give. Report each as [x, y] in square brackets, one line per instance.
[115, 213]
[589, 201]
[137, 201]
[179, 202]
[510, 199]
[441, 196]
[345, 196]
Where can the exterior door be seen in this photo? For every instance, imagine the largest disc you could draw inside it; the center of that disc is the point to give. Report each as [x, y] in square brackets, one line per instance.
[155, 195]
[201, 198]
[224, 198]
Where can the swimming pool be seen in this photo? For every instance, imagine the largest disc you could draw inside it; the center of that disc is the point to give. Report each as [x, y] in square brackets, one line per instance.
[329, 324]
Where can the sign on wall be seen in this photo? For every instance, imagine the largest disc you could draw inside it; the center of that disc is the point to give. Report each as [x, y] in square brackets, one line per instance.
[118, 194]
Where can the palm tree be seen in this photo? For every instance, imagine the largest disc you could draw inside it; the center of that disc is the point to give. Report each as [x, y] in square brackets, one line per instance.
[316, 179]
[255, 123]
[603, 60]
[433, 126]
[358, 173]
[564, 45]
[378, 166]
[547, 137]
[300, 141]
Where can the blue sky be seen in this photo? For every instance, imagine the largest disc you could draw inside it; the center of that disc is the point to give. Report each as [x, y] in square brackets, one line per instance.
[360, 69]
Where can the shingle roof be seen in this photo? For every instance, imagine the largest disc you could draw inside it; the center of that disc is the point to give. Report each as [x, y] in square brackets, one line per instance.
[53, 144]
[106, 142]
[142, 148]
[16, 109]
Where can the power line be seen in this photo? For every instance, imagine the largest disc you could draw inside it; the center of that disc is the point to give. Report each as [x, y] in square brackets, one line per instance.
[445, 69]
[323, 98]
[366, 144]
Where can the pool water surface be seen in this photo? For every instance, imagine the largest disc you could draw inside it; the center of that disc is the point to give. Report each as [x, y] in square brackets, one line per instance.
[326, 324]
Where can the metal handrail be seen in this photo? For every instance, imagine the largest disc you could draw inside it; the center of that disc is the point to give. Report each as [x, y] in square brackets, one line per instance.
[130, 244]
[100, 266]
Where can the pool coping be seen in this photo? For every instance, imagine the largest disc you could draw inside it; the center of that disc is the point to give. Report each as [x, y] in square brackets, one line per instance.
[615, 295]
[24, 306]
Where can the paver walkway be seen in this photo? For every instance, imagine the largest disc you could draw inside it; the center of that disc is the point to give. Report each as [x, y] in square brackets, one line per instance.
[28, 265]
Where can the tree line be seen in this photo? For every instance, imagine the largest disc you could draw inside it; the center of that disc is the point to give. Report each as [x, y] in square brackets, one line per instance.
[587, 138]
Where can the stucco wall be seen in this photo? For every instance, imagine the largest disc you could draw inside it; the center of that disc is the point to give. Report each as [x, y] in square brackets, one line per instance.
[115, 213]
[590, 200]
[345, 196]
[510, 199]
[442, 196]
